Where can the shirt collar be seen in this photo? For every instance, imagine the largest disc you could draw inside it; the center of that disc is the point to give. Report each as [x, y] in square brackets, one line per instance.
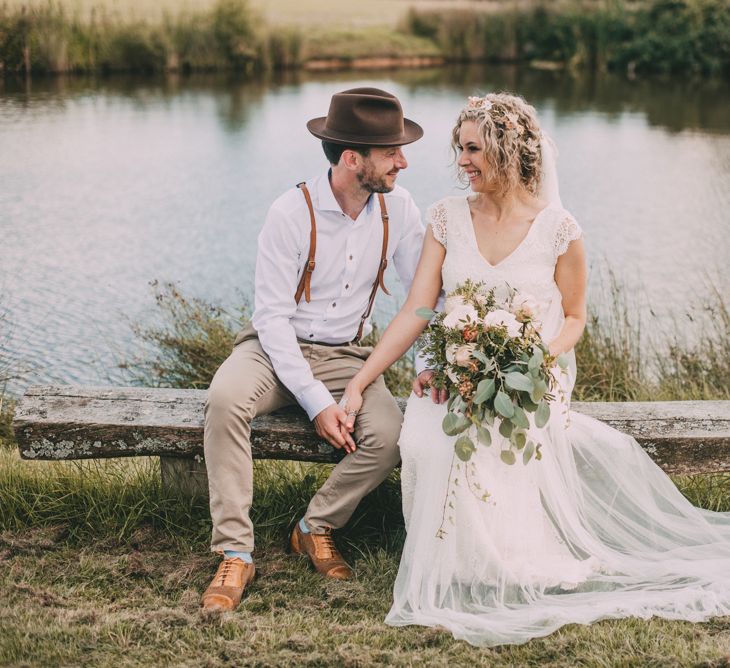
[326, 200]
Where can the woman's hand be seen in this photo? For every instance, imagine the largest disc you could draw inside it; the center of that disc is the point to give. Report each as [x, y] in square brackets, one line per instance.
[351, 403]
[423, 381]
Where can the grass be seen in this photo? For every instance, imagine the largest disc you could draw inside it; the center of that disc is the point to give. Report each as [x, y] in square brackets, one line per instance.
[687, 37]
[99, 565]
[381, 13]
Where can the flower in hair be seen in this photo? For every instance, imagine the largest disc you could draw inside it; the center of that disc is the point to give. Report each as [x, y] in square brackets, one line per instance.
[478, 103]
[511, 123]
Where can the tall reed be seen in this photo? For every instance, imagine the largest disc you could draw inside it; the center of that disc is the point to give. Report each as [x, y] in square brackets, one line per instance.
[616, 361]
[50, 38]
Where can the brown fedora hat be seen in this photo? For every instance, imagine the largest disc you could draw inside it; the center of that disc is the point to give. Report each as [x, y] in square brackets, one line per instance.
[365, 117]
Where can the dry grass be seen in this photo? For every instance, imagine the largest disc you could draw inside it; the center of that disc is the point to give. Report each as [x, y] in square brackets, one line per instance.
[89, 579]
[278, 12]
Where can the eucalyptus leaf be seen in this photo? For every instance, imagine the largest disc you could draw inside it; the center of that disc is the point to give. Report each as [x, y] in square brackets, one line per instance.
[507, 456]
[503, 405]
[464, 448]
[425, 313]
[520, 419]
[506, 427]
[519, 439]
[529, 451]
[562, 361]
[485, 390]
[538, 392]
[536, 360]
[454, 424]
[538, 454]
[488, 417]
[542, 414]
[483, 436]
[518, 381]
[528, 404]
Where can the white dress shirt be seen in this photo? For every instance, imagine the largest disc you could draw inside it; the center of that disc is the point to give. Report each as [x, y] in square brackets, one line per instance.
[347, 261]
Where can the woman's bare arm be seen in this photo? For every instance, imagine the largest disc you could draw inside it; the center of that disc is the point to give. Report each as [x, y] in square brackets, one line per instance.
[570, 275]
[405, 328]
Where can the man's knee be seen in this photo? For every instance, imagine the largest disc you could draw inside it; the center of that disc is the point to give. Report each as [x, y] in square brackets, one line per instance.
[383, 425]
[229, 393]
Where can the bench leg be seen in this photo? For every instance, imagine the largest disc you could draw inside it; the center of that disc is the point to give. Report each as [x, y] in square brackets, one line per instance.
[184, 475]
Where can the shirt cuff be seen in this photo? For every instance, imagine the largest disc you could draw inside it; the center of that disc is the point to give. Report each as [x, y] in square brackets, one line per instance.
[315, 399]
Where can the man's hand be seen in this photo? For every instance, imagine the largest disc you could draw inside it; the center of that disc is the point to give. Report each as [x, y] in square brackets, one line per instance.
[327, 423]
[423, 381]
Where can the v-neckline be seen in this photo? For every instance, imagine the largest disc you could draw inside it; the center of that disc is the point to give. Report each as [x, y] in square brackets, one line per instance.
[470, 220]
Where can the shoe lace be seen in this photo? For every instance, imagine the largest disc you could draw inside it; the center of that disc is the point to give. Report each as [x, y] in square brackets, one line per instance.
[223, 572]
[327, 547]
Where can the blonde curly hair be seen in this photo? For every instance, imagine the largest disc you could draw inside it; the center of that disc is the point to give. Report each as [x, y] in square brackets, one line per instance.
[510, 133]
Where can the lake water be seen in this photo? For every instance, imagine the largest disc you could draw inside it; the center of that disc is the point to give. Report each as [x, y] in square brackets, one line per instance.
[106, 185]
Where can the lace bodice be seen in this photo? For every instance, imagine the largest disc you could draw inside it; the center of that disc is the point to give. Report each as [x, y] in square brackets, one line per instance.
[530, 268]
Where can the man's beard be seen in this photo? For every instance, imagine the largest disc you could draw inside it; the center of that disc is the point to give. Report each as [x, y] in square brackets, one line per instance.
[372, 183]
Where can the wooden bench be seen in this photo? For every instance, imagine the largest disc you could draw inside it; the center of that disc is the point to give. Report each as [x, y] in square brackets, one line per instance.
[61, 422]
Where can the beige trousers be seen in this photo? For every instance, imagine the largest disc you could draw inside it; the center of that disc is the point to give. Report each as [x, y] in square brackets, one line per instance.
[245, 386]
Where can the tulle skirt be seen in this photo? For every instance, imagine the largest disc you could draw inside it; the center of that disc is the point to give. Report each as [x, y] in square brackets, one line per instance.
[500, 554]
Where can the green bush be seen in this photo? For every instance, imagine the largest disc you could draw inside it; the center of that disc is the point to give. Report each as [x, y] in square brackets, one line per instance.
[652, 36]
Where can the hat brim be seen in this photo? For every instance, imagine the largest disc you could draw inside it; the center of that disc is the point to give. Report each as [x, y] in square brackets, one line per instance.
[411, 132]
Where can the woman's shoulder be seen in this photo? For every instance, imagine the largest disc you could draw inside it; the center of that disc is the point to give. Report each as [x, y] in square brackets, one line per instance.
[438, 214]
[560, 227]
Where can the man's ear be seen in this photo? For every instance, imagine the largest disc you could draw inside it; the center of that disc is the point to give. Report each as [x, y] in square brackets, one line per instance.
[350, 159]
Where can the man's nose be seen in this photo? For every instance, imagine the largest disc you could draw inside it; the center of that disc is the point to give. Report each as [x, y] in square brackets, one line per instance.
[400, 160]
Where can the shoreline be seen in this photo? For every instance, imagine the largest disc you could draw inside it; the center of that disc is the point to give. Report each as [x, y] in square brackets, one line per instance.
[629, 37]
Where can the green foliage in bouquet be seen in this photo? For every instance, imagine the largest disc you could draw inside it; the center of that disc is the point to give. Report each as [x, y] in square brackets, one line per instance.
[487, 353]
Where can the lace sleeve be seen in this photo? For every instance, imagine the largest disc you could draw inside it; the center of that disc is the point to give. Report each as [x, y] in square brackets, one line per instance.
[436, 217]
[567, 230]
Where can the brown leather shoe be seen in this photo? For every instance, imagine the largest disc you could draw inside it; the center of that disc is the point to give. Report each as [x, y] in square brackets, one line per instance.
[225, 591]
[320, 548]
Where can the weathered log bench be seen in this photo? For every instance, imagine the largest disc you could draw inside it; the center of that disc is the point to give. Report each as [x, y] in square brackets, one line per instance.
[64, 422]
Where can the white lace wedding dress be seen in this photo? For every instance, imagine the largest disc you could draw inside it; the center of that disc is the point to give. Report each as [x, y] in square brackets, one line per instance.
[594, 530]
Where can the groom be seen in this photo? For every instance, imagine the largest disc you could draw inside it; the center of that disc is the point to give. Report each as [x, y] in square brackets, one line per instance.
[320, 262]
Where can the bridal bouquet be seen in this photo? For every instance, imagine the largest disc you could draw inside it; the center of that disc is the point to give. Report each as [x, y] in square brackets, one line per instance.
[487, 353]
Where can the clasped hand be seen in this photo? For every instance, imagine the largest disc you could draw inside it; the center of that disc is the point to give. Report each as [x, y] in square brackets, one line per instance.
[336, 423]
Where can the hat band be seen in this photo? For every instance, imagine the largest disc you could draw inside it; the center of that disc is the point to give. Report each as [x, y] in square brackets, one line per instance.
[343, 136]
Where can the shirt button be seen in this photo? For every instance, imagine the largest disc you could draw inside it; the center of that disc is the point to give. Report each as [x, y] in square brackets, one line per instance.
[347, 286]
[351, 257]
[334, 304]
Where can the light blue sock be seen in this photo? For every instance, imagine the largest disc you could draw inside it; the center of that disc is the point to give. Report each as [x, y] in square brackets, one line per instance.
[243, 556]
[303, 527]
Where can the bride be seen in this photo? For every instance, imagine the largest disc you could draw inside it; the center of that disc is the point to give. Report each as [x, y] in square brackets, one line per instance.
[594, 530]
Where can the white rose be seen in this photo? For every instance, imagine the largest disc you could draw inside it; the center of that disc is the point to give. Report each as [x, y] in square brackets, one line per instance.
[463, 354]
[458, 318]
[502, 318]
[452, 302]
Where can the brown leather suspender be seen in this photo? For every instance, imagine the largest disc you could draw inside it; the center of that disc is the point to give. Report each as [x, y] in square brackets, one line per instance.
[379, 281]
[305, 281]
